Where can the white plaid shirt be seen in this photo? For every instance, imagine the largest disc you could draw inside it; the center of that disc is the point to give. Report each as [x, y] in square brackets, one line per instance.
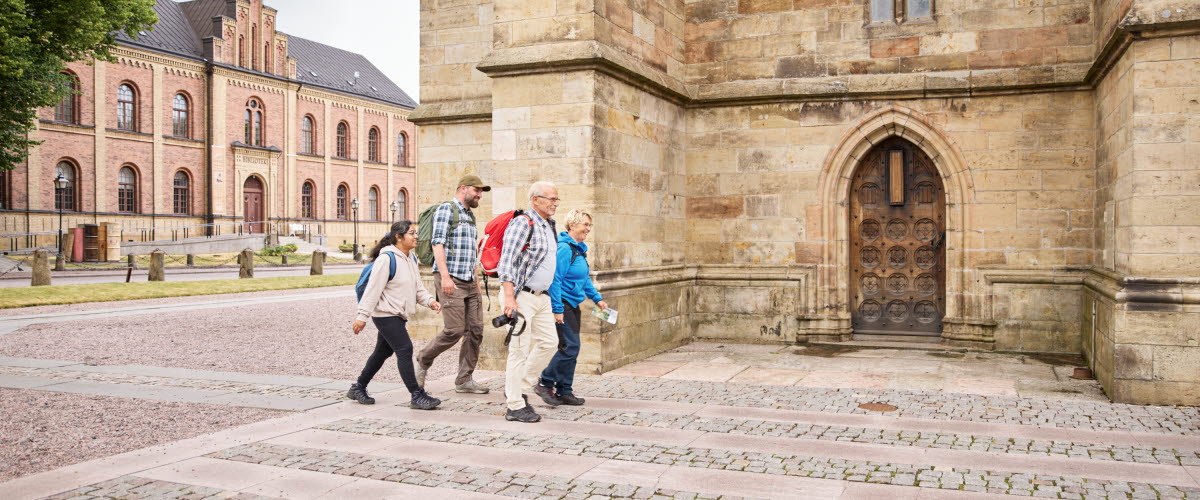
[461, 249]
[516, 265]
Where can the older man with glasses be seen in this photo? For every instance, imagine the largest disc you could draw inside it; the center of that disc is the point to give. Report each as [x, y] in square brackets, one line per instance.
[527, 266]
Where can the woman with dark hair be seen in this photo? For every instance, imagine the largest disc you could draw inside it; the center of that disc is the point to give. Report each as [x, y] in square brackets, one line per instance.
[389, 303]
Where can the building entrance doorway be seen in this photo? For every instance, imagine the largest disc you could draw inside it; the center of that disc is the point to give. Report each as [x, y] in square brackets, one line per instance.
[252, 199]
[897, 243]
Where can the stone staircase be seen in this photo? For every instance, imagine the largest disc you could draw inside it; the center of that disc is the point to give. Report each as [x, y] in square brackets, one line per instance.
[663, 437]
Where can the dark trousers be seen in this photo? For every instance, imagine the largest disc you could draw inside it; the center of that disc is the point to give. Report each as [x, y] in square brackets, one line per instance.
[393, 338]
[462, 312]
[560, 373]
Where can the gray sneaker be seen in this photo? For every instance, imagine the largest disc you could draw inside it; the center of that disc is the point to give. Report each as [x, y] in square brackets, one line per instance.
[420, 371]
[471, 387]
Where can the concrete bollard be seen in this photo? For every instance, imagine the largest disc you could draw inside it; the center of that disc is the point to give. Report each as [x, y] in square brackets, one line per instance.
[318, 263]
[41, 268]
[191, 260]
[283, 258]
[60, 263]
[132, 261]
[156, 265]
[246, 264]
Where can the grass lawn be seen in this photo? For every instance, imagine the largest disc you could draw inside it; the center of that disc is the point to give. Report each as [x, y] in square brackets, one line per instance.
[199, 260]
[105, 292]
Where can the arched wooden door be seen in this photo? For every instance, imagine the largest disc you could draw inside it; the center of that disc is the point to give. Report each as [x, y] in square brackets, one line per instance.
[897, 250]
[252, 199]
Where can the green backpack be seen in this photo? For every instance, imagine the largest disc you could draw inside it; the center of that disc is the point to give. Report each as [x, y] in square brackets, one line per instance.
[425, 231]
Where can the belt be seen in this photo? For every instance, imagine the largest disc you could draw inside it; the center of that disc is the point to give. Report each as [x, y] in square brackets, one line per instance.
[530, 290]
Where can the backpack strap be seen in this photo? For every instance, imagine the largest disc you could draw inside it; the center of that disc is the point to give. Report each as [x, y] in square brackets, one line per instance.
[455, 219]
[576, 254]
[391, 265]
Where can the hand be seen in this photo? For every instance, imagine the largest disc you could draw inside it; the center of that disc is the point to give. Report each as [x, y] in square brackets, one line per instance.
[358, 326]
[510, 305]
[436, 306]
[447, 285]
[602, 304]
[558, 318]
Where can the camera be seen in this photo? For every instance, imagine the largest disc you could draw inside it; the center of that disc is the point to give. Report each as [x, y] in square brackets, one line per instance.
[502, 320]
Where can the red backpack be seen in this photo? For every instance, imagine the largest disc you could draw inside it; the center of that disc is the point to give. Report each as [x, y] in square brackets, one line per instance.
[492, 243]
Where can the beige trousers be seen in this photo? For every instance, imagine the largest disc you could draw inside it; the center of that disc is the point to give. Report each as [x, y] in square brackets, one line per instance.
[529, 353]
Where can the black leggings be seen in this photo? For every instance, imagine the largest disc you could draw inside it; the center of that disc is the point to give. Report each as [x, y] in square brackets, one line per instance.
[393, 338]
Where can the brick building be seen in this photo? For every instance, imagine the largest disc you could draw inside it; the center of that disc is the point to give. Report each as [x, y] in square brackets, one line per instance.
[216, 117]
[1017, 176]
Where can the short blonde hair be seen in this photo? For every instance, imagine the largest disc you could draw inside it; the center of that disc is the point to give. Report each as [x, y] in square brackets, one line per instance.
[575, 216]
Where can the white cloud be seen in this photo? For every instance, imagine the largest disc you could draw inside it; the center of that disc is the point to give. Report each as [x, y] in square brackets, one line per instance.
[387, 32]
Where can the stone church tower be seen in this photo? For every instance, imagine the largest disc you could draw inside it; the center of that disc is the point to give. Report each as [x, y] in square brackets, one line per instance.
[1017, 176]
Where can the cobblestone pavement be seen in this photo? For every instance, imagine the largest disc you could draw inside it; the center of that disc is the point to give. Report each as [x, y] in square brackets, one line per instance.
[914, 404]
[442, 475]
[924, 476]
[191, 383]
[939, 440]
[128, 487]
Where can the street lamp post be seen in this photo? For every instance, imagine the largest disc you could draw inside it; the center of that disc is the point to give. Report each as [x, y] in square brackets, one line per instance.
[60, 184]
[354, 206]
[393, 208]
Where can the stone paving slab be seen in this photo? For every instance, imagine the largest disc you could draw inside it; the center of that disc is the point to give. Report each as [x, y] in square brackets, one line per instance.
[270, 402]
[188, 373]
[34, 363]
[850, 434]
[23, 382]
[441, 475]
[861, 470]
[138, 487]
[917, 404]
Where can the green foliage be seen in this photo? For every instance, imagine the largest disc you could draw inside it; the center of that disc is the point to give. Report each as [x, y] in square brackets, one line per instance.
[37, 39]
[346, 247]
[280, 250]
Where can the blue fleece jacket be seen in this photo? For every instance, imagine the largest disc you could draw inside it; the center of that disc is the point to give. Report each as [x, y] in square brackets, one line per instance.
[572, 282]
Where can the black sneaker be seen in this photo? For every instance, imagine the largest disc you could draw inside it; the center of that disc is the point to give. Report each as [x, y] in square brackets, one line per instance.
[525, 414]
[359, 393]
[570, 400]
[423, 401]
[547, 394]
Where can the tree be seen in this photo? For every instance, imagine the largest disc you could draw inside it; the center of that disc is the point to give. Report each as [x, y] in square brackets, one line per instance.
[37, 39]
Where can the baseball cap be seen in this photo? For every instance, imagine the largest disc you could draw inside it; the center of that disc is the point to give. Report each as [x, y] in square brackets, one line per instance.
[473, 181]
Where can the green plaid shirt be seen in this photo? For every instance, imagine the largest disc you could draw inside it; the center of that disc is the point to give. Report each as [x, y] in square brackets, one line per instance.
[460, 246]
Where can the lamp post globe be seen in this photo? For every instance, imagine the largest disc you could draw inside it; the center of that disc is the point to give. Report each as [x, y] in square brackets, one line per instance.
[393, 206]
[354, 206]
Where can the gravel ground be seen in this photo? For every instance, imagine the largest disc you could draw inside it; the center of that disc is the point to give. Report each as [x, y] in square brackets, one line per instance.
[305, 337]
[41, 431]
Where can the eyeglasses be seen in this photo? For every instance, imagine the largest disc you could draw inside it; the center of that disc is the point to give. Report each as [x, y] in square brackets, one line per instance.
[414, 233]
[552, 200]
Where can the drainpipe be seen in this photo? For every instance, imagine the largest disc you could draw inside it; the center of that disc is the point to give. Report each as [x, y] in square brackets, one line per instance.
[208, 141]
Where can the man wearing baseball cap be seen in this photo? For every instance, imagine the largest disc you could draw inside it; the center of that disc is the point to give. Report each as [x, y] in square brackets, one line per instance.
[454, 259]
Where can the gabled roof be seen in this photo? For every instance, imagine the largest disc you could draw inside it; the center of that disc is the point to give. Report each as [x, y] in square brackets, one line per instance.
[173, 33]
[182, 26]
[334, 68]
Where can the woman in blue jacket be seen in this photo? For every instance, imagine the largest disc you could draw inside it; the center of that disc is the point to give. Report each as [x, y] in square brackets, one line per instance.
[572, 285]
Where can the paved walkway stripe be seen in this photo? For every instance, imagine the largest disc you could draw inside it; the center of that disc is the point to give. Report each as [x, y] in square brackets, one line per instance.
[439, 475]
[139, 487]
[914, 404]
[943, 474]
[842, 433]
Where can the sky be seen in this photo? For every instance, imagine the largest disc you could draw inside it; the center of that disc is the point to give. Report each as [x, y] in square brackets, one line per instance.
[387, 32]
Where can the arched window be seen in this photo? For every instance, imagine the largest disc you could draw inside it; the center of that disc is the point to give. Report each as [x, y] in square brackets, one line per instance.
[253, 122]
[66, 197]
[182, 199]
[126, 108]
[126, 190]
[254, 45]
[343, 201]
[373, 144]
[373, 203]
[179, 116]
[402, 201]
[5, 197]
[402, 150]
[343, 140]
[307, 194]
[308, 136]
[241, 51]
[68, 108]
